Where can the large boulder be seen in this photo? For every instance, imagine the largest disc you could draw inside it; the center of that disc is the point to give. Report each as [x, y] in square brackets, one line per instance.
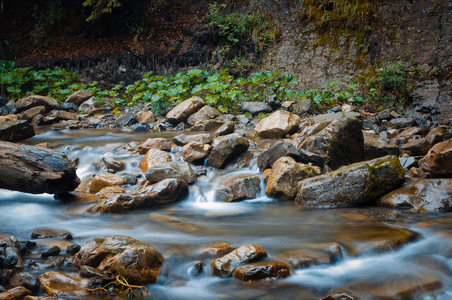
[278, 124]
[239, 187]
[16, 131]
[256, 108]
[174, 169]
[137, 262]
[35, 100]
[153, 157]
[262, 271]
[205, 113]
[225, 265]
[277, 150]
[285, 175]
[341, 142]
[358, 184]
[182, 111]
[438, 161]
[225, 148]
[424, 195]
[155, 195]
[35, 170]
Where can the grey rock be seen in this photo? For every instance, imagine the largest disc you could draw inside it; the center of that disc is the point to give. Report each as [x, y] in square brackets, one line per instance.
[256, 108]
[174, 169]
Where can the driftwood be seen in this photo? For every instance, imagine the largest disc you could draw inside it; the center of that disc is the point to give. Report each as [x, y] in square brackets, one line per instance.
[35, 170]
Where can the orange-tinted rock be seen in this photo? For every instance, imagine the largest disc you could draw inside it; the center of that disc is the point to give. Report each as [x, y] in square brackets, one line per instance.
[438, 161]
[153, 157]
[224, 266]
[262, 271]
[103, 180]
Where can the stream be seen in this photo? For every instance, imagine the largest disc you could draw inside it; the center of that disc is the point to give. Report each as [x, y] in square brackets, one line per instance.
[183, 230]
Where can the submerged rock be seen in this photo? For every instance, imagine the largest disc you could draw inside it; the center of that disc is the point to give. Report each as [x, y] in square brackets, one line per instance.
[57, 284]
[354, 185]
[224, 266]
[137, 262]
[35, 170]
[423, 195]
[262, 271]
[239, 187]
[278, 124]
[226, 148]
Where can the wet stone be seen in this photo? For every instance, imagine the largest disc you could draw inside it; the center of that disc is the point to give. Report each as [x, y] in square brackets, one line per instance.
[224, 266]
[62, 285]
[53, 251]
[26, 280]
[73, 249]
[262, 271]
[238, 188]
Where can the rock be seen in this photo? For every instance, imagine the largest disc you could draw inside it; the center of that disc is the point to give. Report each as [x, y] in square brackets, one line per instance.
[137, 262]
[225, 129]
[70, 107]
[103, 180]
[126, 119]
[196, 269]
[182, 111]
[299, 259]
[56, 116]
[438, 161]
[416, 146]
[277, 150]
[53, 251]
[225, 265]
[141, 127]
[328, 118]
[110, 192]
[183, 139]
[415, 173]
[8, 118]
[226, 148]
[154, 157]
[402, 122]
[57, 284]
[51, 233]
[408, 162]
[15, 131]
[435, 135]
[256, 108]
[307, 157]
[7, 240]
[262, 271]
[15, 293]
[26, 280]
[154, 143]
[278, 124]
[239, 187]
[218, 248]
[113, 165]
[209, 125]
[341, 142]
[73, 249]
[354, 185]
[285, 175]
[32, 112]
[175, 169]
[204, 114]
[35, 100]
[145, 117]
[35, 170]
[424, 195]
[375, 147]
[79, 97]
[87, 271]
[305, 106]
[240, 161]
[195, 152]
[159, 194]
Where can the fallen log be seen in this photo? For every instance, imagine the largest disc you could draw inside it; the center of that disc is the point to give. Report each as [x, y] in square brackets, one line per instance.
[35, 170]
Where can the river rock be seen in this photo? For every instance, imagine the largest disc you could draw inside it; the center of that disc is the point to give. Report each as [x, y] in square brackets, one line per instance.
[57, 284]
[67, 106]
[79, 97]
[56, 116]
[184, 139]
[278, 124]
[299, 259]
[438, 161]
[175, 169]
[103, 180]
[126, 119]
[375, 146]
[402, 122]
[35, 170]
[285, 175]
[424, 195]
[239, 187]
[113, 165]
[51, 233]
[15, 131]
[225, 148]
[35, 100]
[225, 129]
[110, 192]
[15, 293]
[307, 157]
[137, 262]
[225, 265]
[302, 107]
[354, 185]
[154, 157]
[262, 271]
[435, 135]
[26, 280]
[155, 195]
[30, 113]
[416, 147]
[341, 142]
[145, 117]
[208, 125]
[182, 111]
[277, 150]
[154, 143]
[195, 152]
[8, 118]
[256, 108]
[328, 118]
[240, 161]
[7, 240]
[204, 114]
[217, 248]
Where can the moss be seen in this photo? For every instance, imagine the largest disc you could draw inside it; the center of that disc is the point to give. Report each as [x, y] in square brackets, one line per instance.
[99, 240]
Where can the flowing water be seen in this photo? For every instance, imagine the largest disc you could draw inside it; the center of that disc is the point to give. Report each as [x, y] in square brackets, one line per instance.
[183, 230]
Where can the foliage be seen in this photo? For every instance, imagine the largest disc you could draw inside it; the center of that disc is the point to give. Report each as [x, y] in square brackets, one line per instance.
[100, 7]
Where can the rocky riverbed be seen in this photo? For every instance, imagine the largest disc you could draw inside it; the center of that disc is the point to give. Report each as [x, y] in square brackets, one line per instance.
[342, 205]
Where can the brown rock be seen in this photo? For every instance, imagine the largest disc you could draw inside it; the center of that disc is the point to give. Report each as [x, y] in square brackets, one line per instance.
[262, 271]
[184, 139]
[175, 169]
[56, 116]
[154, 143]
[15, 293]
[35, 100]
[375, 147]
[195, 152]
[278, 124]
[224, 266]
[110, 192]
[114, 165]
[225, 129]
[137, 262]
[26, 280]
[153, 157]
[15, 131]
[103, 180]
[438, 161]
[145, 117]
[185, 109]
[435, 135]
[8, 118]
[204, 114]
[62, 285]
[226, 148]
[79, 97]
[208, 125]
[50, 233]
[416, 146]
[239, 187]
[32, 112]
[218, 248]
